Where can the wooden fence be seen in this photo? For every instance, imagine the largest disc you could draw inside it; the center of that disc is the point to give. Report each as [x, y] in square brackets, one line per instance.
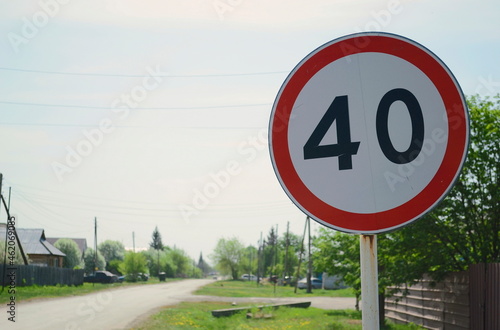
[485, 296]
[26, 275]
[465, 300]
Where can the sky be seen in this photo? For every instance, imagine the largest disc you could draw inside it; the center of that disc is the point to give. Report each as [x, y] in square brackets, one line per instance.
[156, 113]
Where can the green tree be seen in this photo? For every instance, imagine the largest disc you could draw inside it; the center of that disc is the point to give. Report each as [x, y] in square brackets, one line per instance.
[157, 261]
[157, 244]
[465, 228]
[203, 266]
[196, 272]
[181, 261]
[133, 264]
[270, 254]
[90, 263]
[167, 265]
[228, 255]
[338, 254]
[73, 254]
[249, 260]
[16, 258]
[112, 250]
[289, 260]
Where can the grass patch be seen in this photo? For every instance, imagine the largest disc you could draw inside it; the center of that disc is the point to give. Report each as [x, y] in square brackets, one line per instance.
[236, 288]
[42, 292]
[189, 315]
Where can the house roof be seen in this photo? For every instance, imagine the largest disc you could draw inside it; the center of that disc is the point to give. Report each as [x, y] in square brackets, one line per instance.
[81, 242]
[33, 242]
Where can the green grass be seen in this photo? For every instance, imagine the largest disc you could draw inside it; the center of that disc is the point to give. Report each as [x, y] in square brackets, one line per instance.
[189, 315]
[39, 292]
[250, 289]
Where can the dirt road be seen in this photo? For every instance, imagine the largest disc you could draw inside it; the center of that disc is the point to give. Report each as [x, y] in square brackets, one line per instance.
[125, 307]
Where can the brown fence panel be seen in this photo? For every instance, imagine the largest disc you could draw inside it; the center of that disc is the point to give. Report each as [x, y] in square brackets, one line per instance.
[443, 305]
[466, 300]
[485, 296]
[27, 275]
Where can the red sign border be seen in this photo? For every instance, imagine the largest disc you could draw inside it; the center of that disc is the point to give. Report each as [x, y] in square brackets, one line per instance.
[446, 175]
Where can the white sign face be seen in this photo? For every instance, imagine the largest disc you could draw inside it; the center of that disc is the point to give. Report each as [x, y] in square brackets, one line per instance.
[368, 133]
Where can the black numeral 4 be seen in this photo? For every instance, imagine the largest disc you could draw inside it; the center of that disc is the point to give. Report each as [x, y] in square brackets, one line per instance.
[338, 112]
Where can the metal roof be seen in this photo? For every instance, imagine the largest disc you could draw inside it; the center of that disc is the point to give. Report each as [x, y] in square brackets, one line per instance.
[33, 242]
[81, 242]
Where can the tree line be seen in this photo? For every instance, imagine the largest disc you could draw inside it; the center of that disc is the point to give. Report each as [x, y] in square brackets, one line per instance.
[112, 256]
[274, 257]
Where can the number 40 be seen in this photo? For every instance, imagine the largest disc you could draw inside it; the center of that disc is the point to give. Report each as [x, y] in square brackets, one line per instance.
[344, 149]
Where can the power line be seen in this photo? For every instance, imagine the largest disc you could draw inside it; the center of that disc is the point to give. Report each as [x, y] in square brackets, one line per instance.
[67, 196]
[46, 198]
[141, 76]
[136, 108]
[136, 126]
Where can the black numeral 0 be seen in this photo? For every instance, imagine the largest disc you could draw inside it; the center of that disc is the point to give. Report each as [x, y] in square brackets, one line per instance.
[345, 148]
[417, 126]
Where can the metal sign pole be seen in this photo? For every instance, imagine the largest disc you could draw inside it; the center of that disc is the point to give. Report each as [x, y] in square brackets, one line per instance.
[369, 282]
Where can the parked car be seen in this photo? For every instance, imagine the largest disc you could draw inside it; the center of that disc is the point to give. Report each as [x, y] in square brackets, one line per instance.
[250, 277]
[289, 280]
[316, 283]
[139, 277]
[101, 276]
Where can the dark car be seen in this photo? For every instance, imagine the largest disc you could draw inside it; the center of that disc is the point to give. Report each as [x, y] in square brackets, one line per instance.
[101, 276]
[289, 280]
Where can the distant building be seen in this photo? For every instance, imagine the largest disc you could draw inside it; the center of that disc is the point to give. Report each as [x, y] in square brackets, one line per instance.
[37, 250]
[81, 242]
[333, 282]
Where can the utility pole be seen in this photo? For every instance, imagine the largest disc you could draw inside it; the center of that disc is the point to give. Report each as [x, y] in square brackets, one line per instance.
[250, 265]
[309, 270]
[300, 257]
[10, 224]
[6, 233]
[133, 240]
[95, 244]
[259, 259]
[275, 254]
[287, 243]
[275, 260]
[8, 206]
[1, 180]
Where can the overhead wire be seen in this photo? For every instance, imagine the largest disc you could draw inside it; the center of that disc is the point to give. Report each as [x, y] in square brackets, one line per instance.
[80, 106]
[93, 74]
[41, 203]
[83, 106]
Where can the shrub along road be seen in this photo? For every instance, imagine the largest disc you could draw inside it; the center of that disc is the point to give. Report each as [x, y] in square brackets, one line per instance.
[125, 307]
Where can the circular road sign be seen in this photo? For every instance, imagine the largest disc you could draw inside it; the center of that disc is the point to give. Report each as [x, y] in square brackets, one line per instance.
[368, 132]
